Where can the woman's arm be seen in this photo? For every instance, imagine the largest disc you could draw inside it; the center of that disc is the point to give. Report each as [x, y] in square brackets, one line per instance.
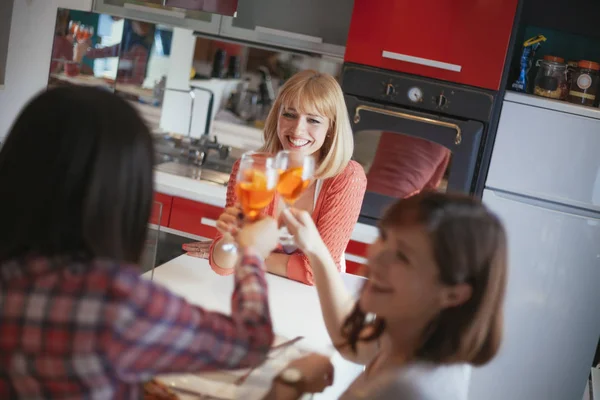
[336, 301]
[153, 331]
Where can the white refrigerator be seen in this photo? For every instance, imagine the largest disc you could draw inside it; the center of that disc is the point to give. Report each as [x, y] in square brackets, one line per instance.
[544, 183]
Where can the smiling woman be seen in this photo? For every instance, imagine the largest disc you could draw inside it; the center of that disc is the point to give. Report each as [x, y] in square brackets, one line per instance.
[309, 116]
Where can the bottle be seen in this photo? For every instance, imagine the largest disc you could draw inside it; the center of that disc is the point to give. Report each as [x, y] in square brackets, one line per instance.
[233, 68]
[218, 69]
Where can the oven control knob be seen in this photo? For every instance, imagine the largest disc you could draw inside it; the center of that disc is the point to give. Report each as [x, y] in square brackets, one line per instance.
[390, 90]
[415, 95]
[441, 101]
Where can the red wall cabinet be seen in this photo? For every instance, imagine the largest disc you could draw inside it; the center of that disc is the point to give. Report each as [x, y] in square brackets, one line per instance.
[193, 217]
[458, 41]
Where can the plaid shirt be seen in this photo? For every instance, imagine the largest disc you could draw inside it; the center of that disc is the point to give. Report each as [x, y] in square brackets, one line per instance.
[95, 330]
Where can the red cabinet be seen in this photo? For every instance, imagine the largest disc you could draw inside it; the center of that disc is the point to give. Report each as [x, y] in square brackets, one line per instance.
[193, 217]
[356, 253]
[458, 41]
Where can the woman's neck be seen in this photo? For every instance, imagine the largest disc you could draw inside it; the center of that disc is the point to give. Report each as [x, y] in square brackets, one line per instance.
[400, 343]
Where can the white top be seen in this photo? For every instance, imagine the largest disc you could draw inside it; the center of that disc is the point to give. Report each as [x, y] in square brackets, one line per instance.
[419, 381]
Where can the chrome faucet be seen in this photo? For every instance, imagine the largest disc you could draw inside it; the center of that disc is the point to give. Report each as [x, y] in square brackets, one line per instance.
[207, 145]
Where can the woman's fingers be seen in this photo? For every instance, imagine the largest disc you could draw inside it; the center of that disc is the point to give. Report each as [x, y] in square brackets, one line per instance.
[227, 227]
[304, 217]
[197, 246]
[198, 254]
[290, 220]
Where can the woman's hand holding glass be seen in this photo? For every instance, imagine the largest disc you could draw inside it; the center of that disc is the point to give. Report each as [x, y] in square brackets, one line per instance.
[255, 188]
[303, 230]
[296, 172]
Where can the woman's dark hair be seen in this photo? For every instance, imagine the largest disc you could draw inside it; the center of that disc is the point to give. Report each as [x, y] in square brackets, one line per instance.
[469, 244]
[76, 178]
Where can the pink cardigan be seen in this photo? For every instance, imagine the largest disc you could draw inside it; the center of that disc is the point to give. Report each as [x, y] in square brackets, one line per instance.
[335, 214]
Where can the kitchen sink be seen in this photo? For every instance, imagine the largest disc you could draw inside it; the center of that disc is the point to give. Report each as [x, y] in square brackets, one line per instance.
[201, 159]
[191, 171]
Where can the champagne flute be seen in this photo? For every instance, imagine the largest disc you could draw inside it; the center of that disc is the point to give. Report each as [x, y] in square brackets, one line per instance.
[255, 187]
[296, 171]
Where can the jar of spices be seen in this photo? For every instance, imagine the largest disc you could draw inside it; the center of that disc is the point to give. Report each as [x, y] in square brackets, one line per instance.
[551, 78]
[584, 84]
[571, 67]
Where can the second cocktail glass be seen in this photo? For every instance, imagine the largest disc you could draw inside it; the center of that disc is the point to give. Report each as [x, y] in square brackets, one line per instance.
[296, 172]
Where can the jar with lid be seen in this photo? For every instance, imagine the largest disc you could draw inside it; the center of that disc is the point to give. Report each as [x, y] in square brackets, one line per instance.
[551, 78]
[584, 85]
[571, 68]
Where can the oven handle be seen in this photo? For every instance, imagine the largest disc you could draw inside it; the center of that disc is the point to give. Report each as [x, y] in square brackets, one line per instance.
[457, 139]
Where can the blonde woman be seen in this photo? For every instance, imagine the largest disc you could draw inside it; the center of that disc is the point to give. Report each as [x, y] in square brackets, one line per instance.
[309, 115]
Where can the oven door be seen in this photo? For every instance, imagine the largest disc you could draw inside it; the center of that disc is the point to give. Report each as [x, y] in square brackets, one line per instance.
[405, 152]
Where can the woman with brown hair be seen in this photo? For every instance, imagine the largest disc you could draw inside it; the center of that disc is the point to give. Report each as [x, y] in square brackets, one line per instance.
[432, 305]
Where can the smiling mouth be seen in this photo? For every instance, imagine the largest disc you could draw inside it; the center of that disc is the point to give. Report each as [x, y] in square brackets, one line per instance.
[298, 143]
[377, 288]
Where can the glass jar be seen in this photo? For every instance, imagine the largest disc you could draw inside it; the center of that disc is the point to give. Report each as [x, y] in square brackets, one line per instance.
[571, 68]
[584, 85]
[551, 78]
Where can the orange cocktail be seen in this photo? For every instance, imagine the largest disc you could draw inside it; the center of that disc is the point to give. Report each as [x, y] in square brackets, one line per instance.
[292, 184]
[255, 191]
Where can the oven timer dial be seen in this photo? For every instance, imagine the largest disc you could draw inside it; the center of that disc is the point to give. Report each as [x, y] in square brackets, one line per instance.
[415, 95]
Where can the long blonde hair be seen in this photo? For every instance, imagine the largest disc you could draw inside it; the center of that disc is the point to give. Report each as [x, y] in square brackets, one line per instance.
[312, 91]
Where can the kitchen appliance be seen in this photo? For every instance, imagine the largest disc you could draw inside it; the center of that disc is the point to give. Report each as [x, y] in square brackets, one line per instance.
[544, 183]
[414, 134]
[187, 112]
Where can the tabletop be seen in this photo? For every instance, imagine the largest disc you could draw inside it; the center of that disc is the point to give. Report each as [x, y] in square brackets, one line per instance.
[295, 308]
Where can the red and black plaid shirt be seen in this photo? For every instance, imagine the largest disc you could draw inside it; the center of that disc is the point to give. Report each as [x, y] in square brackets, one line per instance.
[71, 330]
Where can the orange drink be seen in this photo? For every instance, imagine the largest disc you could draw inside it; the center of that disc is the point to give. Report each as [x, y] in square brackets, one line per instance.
[254, 192]
[292, 184]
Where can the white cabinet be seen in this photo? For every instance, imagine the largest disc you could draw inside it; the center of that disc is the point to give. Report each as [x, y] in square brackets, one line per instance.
[317, 26]
[194, 20]
[552, 317]
[548, 154]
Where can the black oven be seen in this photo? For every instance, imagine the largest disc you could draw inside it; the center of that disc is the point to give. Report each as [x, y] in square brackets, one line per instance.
[413, 134]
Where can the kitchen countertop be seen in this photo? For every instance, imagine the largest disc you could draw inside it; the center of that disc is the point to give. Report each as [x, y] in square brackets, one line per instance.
[215, 195]
[557, 105]
[295, 308]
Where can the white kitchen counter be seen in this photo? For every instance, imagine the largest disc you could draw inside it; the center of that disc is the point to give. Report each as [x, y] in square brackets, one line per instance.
[295, 308]
[191, 189]
[215, 195]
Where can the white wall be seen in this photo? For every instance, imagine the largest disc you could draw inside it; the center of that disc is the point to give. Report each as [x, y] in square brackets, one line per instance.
[29, 50]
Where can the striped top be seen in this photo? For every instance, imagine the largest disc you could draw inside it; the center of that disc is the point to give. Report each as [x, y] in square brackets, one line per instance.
[335, 214]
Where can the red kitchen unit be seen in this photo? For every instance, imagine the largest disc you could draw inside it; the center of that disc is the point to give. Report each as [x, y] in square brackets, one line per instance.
[359, 250]
[462, 41]
[194, 217]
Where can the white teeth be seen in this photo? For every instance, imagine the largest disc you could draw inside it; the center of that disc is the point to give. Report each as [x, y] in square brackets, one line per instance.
[298, 142]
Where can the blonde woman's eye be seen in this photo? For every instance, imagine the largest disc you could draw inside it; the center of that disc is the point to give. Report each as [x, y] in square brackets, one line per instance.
[288, 115]
[314, 121]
